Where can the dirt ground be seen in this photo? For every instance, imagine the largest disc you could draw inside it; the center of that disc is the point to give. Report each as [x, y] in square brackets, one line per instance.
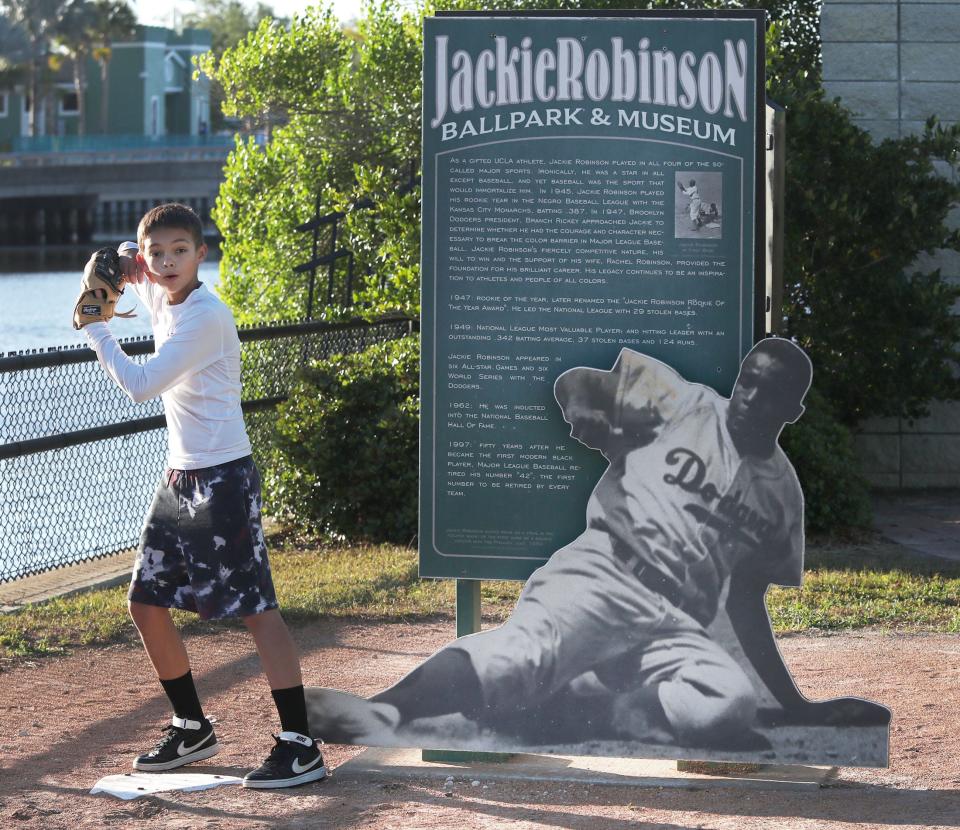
[67, 722]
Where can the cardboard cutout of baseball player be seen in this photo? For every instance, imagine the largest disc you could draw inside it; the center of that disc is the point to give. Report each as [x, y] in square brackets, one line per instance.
[648, 635]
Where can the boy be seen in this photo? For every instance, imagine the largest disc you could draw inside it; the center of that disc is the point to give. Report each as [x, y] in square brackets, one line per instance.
[202, 547]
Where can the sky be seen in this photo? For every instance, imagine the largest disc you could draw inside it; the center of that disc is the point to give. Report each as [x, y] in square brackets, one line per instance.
[161, 14]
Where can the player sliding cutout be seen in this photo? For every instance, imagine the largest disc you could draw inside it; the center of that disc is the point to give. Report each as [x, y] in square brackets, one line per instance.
[648, 634]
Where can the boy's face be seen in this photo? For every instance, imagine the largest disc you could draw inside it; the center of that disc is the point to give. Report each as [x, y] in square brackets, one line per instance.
[172, 259]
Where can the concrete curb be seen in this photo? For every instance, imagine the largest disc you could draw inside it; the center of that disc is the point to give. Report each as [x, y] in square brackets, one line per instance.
[629, 772]
[103, 572]
[924, 522]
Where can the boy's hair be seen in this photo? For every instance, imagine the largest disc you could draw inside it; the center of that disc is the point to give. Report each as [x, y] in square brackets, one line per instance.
[171, 215]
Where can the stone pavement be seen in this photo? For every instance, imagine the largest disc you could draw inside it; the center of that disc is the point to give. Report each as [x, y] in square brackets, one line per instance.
[925, 522]
[691, 775]
[71, 579]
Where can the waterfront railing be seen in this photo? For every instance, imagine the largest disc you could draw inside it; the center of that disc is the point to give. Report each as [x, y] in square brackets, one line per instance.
[79, 461]
[107, 143]
[72, 150]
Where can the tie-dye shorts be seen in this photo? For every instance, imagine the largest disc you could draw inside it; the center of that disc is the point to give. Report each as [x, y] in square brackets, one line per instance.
[202, 547]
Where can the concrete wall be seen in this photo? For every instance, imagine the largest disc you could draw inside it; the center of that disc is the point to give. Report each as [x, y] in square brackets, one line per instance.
[894, 63]
[154, 82]
[193, 104]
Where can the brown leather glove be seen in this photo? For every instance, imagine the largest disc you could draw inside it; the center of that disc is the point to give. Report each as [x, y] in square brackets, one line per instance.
[100, 289]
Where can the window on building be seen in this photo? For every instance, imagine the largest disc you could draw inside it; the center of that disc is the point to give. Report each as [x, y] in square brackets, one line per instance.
[176, 72]
[69, 104]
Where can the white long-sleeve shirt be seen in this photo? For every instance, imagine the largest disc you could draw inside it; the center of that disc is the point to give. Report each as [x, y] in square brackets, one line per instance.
[195, 370]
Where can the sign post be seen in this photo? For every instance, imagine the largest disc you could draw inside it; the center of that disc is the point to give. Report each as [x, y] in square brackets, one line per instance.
[468, 622]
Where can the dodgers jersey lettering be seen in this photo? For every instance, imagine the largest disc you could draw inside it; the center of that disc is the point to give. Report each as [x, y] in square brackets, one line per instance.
[686, 503]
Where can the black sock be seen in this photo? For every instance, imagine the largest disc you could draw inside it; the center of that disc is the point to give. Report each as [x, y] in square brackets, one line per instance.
[292, 708]
[183, 697]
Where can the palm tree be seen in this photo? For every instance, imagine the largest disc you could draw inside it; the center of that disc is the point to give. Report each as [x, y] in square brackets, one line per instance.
[14, 53]
[114, 19]
[38, 19]
[75, 36]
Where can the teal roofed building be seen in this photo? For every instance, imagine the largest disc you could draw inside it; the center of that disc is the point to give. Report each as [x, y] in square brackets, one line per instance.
[151, 98]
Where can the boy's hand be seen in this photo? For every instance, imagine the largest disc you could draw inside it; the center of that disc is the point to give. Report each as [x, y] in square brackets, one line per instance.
[134, 268]
[132, 264]
[146, 272]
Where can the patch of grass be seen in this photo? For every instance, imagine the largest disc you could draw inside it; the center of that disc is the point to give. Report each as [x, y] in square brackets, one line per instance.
[94, 617]
[375, 583]
[378, 582]
[869, 584]
[850, 585]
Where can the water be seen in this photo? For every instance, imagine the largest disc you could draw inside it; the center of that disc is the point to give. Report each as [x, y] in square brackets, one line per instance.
[36, 309]
[62, 506]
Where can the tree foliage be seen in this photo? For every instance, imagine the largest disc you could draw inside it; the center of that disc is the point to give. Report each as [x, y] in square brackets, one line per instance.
[114, 20]
[14, 52]
[345, 459]
[38, 20]
[821, 449]
[876, 321]
[87, 29]
[351, 107]
[874, 317]
[229, 22]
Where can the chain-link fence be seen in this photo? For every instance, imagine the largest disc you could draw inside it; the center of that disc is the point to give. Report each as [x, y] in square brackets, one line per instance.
[79, 461]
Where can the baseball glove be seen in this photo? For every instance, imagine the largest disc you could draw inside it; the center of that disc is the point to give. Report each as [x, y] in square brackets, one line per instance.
[100, 289]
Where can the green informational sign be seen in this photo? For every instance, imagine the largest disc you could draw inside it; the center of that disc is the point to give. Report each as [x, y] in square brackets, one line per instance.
[589, 183]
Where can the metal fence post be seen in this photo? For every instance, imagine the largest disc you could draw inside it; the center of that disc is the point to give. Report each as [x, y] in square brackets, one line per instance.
[313, 257]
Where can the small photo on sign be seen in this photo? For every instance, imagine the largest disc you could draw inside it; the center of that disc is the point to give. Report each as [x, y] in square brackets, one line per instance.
[697, 212]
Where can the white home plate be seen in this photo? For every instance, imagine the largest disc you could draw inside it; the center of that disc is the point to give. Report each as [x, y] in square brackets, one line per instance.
[135, 784]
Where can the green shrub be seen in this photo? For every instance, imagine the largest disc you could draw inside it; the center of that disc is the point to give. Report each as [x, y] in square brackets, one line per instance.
[835, 493]
[877, 322]
[344, 461]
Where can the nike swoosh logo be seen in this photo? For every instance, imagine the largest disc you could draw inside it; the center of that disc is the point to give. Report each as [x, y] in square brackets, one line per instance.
[183, 749]
[298, 769]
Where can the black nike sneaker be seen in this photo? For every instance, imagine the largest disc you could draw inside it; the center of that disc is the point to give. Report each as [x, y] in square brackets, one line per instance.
[183, 742]
[295, 759]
